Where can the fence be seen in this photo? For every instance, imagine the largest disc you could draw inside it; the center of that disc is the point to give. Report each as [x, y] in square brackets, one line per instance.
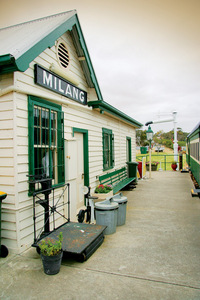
[165, 160]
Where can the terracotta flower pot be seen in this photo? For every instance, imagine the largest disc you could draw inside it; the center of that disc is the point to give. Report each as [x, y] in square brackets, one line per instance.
[174, 166]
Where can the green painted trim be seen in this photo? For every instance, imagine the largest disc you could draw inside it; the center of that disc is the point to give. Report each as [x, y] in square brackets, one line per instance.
[32, 100]
[85, 152]
[87, 57]
[9, 64]
[47, 42]
[45, 103]
[22, 63]
[6, 59]
[129, 148]
[104, 106]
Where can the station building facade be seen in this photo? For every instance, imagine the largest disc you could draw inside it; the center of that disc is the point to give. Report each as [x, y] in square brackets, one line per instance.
[54, 121]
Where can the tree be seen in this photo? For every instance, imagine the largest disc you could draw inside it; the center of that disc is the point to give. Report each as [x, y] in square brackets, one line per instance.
[162, 138]
[141, 138]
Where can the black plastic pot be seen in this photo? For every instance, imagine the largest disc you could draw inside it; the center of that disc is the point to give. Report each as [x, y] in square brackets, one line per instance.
[51, 264]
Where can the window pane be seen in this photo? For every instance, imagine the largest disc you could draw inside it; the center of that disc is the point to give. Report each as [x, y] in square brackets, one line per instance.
[45, 118]
[38, 155]
[53, 119]
[53, 128]
[45, 136]
[46, 162]
[36, 136]
[37, 130]
[54, 167]
[45, 127]
[36, 116]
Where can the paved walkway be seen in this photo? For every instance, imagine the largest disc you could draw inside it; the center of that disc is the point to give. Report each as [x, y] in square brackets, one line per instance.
[156, 255]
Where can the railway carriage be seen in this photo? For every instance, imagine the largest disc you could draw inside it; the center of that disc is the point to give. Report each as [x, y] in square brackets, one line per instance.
[193, 153]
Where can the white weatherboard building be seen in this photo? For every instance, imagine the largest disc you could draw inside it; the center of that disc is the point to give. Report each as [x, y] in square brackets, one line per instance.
[54, 121]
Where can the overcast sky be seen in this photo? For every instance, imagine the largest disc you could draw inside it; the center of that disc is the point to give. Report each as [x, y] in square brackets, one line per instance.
[145, 53]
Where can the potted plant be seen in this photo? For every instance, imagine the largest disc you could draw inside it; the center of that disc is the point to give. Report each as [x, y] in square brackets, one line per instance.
[154, 165]
[51, 254]
[174, 165]
[102, 191]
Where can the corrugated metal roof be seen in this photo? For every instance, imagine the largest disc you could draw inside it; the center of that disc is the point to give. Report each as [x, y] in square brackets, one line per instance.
[17, 39]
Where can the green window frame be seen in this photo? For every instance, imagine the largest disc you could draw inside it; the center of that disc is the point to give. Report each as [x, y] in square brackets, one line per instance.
[46, 140]
[108, 149]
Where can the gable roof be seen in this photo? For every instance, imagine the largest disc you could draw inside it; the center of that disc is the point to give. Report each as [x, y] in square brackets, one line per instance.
[22, 43]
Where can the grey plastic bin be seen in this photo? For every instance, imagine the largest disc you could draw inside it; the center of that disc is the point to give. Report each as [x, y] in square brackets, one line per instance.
[106, 214]
[121, 213]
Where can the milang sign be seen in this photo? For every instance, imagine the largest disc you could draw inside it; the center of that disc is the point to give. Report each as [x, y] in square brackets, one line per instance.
[59, 85]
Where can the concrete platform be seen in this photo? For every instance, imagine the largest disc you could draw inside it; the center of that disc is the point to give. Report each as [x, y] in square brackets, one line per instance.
[155, 255]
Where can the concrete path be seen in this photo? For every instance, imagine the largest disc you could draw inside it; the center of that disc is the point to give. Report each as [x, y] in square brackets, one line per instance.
[156, 255]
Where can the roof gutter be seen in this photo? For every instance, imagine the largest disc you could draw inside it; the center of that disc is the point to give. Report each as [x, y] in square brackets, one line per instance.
[104, 106]
[7, 64]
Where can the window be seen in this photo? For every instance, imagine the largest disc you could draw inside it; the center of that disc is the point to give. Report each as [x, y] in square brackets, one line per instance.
[46, 140]
[108, 149]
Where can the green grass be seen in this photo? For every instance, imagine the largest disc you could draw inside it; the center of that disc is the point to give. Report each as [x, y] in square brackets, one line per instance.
[165, 159]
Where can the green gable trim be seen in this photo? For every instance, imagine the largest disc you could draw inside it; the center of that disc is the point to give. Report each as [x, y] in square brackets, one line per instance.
[87, 58]
[9, 64]
[22, 63]
[104, 106]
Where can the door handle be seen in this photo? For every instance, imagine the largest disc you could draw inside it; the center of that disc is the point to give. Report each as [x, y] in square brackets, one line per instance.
[83, 176]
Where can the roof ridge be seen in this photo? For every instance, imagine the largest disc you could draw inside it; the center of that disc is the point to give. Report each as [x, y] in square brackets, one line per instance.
[38, 20]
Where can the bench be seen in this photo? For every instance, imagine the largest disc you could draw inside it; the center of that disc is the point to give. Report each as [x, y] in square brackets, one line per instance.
[118, 179]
